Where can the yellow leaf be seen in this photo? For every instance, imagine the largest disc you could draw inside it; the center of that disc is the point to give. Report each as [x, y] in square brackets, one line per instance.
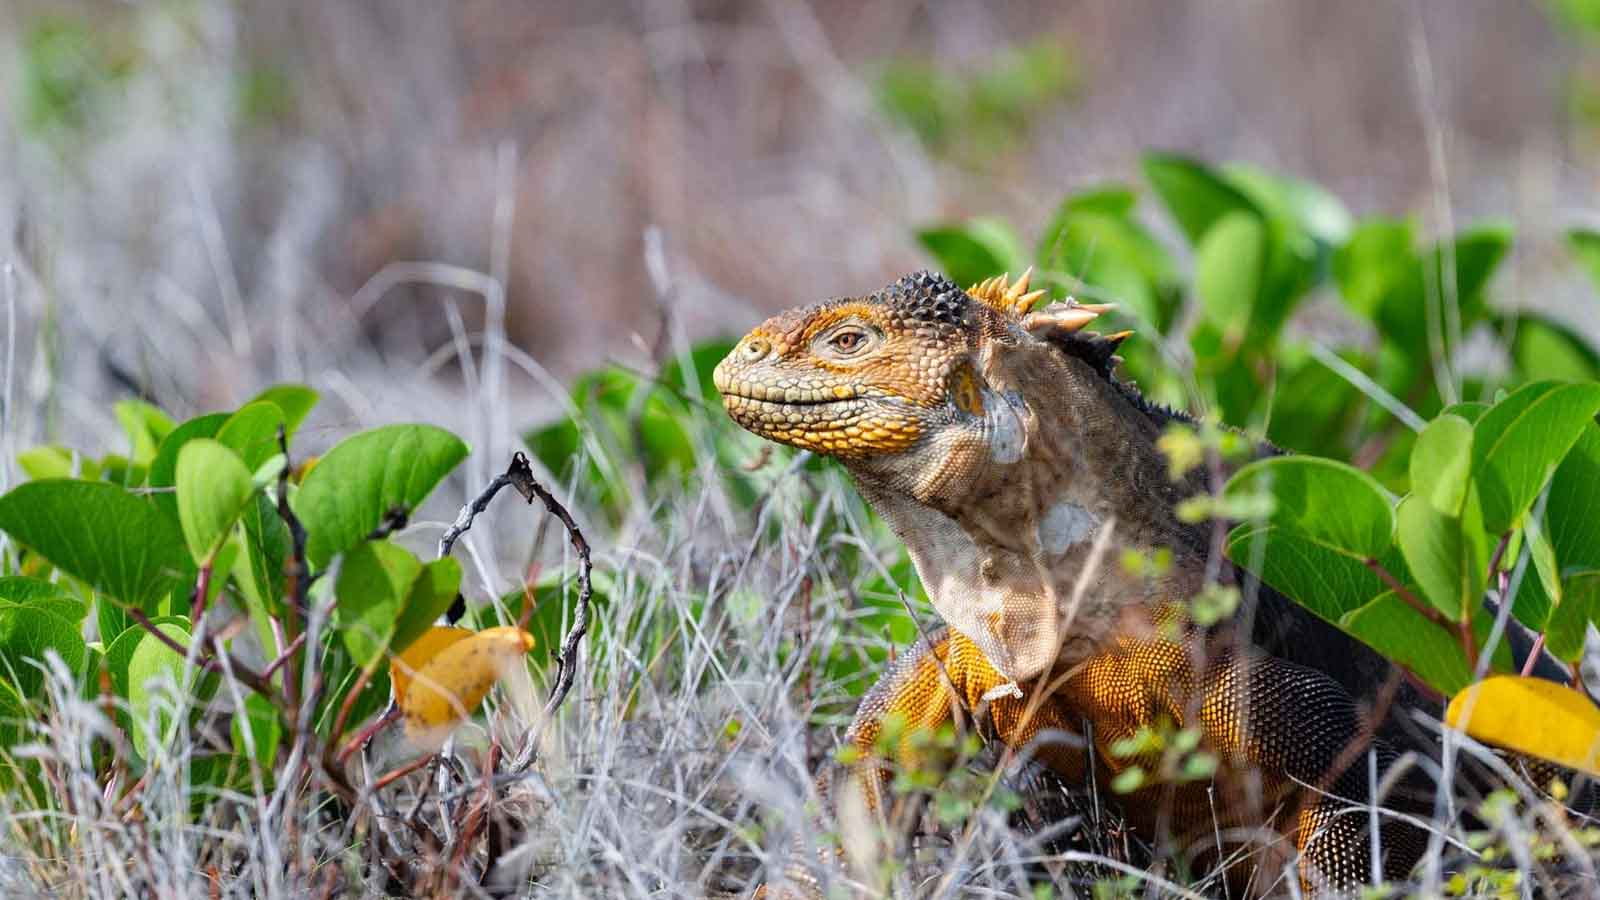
[424, 648]
[448, 687]
[1532, 716]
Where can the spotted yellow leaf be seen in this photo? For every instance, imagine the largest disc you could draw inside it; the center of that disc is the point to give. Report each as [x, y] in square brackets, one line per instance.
[1532, 716]
[450, 685]
[417, 655]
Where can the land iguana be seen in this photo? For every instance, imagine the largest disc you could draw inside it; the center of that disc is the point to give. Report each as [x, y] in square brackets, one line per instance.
[998, 444]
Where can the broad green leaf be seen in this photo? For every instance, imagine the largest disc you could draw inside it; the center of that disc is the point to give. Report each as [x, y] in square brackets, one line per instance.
[116, 542]
[1324, 501]
[1300, 205]
[1441, 463]
[152, 660]
[164, 468]
[55, 461]
[295, 400]
[1570, 527]
[146, 427]
[1229, 262]
[213, 488]
[1570, 620]
[374, 583]
[1326, 581]
[253, 432]
[1390, 626]
[1532, 716]
[1546, 350]
[357, 483]
[1585, 246]
[119, 650]
[265, 731]
[1195, 195]
[979, 249]
[1469, 410]
[1446, 555]
[1370, 265]
[27, 633]
[431, 594]
[20, 590]
[1520, 441]
[267, 547]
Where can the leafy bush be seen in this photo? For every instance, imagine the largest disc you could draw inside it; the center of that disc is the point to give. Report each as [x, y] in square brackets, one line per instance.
[1495, 470]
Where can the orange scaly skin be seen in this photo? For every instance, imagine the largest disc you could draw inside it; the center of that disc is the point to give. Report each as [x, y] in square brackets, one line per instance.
[997, 445]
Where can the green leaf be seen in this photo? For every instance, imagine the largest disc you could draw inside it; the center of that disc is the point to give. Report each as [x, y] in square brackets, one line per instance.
[164, 468]
[1570, 620]
[151, 660]
[1570, 526]
[1228, 271]
[374, 583]
[431, 594]
[969, 253]
[1370, 265]
[119, 650]
[1328, 582]
[267, 546]
[1544, 349]
[20, 590]
[265, 731]
[253, 432]
[213, 488]
[1196, 195]
[55, 461]
[1447, 555]
[1324, 501]
[1441, 463]
[27, 633]
[363, 477]
[295, 400]
[1585, 246]
[146, 427]
[1519, 442]
[1390, 626]
[98, 532]
[1301, 206]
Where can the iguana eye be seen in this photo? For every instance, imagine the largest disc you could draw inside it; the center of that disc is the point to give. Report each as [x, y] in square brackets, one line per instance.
[847, 342]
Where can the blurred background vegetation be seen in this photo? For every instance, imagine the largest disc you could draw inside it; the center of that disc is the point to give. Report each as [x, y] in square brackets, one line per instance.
[199, 198]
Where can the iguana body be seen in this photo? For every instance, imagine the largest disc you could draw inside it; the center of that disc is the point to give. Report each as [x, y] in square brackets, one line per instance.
[997, 445]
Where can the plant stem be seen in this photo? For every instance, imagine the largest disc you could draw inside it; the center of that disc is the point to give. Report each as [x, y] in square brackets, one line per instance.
[1404, 593]
[365, 734]
[246, 675]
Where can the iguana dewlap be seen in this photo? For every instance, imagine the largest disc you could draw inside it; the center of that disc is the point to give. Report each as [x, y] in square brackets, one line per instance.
[997, 445]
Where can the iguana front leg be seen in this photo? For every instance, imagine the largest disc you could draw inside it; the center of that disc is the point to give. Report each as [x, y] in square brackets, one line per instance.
[946, 678]
[941, 679]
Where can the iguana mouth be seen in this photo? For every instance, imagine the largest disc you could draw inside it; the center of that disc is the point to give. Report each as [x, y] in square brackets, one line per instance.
[764, 401]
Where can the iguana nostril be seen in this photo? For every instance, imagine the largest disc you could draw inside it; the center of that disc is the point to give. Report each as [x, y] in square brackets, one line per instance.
[756, 348]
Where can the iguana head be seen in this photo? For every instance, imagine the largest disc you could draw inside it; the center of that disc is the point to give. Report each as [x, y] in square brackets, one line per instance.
[991, 437]
[889, 380]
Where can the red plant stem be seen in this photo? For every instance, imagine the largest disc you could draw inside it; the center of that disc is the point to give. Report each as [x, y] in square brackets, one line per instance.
[284, 656]
[1400, 590]
[350, 702]
[244, 673]
[365, 734]
[402, 772]
[1533, 655]
[202, 587]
